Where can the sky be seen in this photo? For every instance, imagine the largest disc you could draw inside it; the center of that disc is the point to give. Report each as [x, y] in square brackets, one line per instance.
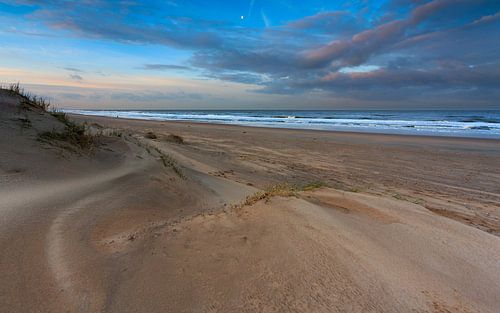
[254, 54]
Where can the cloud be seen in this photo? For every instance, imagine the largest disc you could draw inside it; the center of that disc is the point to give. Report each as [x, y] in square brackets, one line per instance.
[361, 46]
[156, 96]
[164, 67]
[332, 22]
[71, 96]
[250, 8]
[73, 69]
[76, 77]
[408, 55]
[423, 11]
[417, 48]
[265, 19]
[123, 22]
[487, 19]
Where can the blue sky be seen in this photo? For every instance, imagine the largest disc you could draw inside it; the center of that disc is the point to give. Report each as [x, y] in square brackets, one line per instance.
[393, 54]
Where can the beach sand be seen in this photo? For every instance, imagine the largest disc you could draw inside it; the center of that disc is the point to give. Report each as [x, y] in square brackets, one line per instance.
[354, 222]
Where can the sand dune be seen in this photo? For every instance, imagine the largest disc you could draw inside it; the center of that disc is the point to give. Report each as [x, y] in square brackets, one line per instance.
[398, 224]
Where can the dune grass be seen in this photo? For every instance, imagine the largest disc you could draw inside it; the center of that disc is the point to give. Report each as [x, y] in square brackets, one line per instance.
[60, 116]
[280, 190]
[170, 138]
[313, 185]
[73, 134]
[175, 139]
[150, 135]
[28, 100]
[169, 161]
[283, 189]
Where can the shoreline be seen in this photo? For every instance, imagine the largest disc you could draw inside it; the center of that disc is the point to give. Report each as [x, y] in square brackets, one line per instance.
[352, 132]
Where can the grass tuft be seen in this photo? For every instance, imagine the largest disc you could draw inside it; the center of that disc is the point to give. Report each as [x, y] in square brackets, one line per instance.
[60, 116]
[313, 185]
[28, 100]
[175, 139]
[150, 135]
[281, 190]
[73, 134]
[116, 133]
[169, 161]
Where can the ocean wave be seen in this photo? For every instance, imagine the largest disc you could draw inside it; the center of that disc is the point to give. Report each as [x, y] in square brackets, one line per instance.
[419, 122]
[482, 119]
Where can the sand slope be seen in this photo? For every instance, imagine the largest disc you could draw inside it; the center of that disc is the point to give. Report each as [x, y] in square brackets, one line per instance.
[117, 231]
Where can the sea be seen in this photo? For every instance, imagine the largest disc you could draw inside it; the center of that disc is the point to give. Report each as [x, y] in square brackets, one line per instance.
[477, 124]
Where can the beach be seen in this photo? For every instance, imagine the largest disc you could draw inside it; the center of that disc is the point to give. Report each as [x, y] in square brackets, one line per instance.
[451, 170]
[195, 217]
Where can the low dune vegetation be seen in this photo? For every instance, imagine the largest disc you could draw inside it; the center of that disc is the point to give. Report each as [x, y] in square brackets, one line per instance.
[73, 134]
[70, 135]
[169, 138]
[280, 190]
[150, 135]
[175, 139]
[28, 100]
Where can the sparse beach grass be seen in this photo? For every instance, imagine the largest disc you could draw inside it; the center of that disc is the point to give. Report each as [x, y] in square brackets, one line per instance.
[73, 134]
[280, 190]
[169, 161]
[175, 139]
[28, 100]
[150, 135]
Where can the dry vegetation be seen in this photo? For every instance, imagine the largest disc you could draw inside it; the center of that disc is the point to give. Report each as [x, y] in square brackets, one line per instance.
[73, 135]
[168, 161]
[150, 135]
[76, 135]
[280, 190]
[28, 100]
[175, 139]
[170, 138]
